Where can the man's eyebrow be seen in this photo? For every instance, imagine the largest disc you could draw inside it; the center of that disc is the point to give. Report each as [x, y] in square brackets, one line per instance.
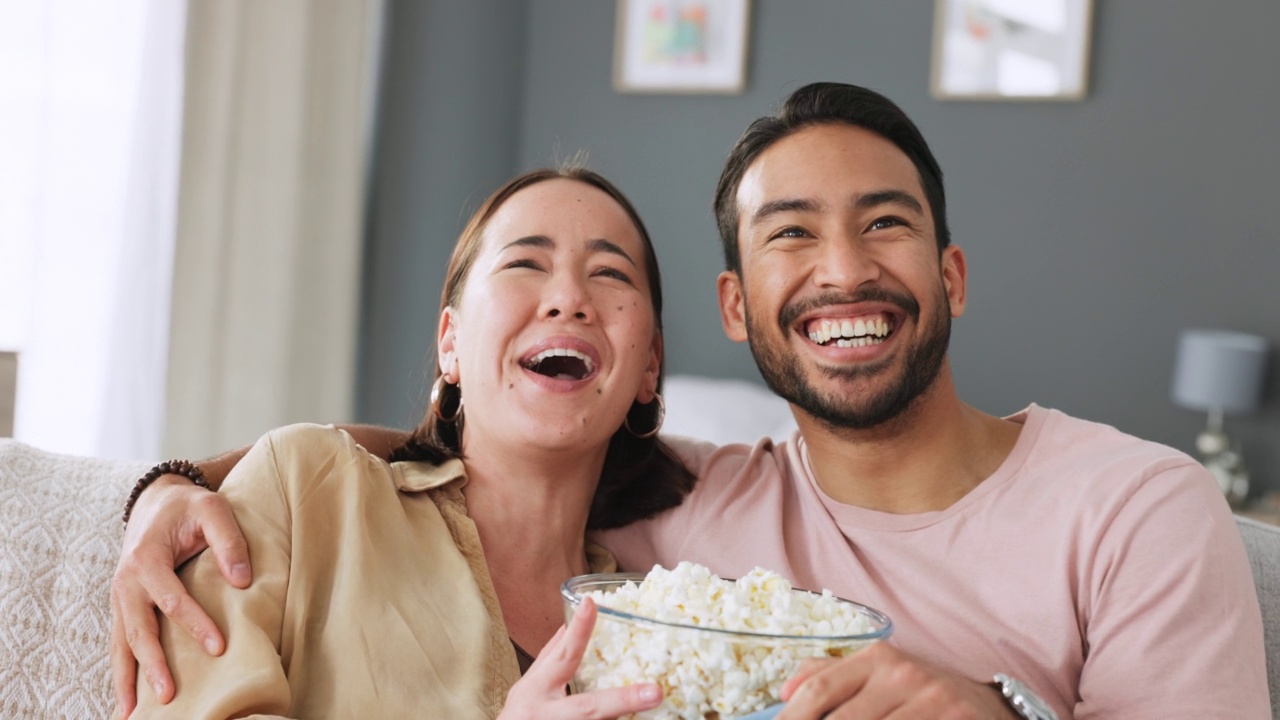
[774, 207]
[546, 243]
[888, 197]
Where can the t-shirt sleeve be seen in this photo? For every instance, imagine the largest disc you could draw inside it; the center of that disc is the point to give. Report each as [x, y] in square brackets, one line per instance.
[1173, 624]
[248, 679]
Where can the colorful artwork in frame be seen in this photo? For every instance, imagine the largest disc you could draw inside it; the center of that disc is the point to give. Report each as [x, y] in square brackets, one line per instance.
[1011, 49]
[681, 46]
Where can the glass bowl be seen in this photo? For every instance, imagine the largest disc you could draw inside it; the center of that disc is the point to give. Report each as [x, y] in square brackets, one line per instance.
[704, 672]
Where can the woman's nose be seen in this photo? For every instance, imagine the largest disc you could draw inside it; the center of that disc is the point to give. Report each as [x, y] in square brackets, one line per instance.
[569, 298]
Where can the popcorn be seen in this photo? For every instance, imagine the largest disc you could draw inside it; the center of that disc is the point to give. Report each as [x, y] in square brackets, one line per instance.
[714, 673]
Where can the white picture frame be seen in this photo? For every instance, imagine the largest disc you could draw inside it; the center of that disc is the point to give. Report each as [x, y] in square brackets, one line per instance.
[1011, 49]
[681, 46]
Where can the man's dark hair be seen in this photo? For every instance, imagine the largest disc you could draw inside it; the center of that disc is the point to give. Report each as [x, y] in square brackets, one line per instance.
[827, 103]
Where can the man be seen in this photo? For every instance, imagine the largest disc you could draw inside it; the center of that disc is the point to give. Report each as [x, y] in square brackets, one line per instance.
[1090, 573]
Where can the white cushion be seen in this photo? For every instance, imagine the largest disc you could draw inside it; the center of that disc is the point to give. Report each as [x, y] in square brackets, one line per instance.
[724, 411]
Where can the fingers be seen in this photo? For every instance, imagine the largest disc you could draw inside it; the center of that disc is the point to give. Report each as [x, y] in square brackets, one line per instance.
[567, 649]
[578, 634]
[807, 669]
[611, 703]
[169, 525]
[156, 579]
[144, 644]
[124, 669]
[541, 692]
[134, 624]
[822, 685]
[218, 525]
[559, 658]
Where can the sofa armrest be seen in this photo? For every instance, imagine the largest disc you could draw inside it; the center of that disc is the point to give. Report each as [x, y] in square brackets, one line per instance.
[59, 541]
[1262, 543]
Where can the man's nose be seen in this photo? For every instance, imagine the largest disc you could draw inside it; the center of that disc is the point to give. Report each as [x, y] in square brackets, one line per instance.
[845, 264]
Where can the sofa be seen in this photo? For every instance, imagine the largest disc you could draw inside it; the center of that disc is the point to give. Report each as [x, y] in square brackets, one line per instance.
[60, 533]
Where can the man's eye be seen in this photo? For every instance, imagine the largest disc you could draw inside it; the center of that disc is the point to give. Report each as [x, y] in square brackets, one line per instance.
[791, 232]
[886, 222]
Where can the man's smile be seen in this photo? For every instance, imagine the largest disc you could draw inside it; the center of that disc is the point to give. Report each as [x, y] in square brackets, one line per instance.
[847, 332]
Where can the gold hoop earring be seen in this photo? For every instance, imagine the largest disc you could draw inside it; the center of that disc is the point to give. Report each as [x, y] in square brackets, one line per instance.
[661, 415]
[437, 393]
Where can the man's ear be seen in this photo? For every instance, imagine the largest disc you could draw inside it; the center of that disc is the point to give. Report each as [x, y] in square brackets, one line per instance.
[955, 274]
[733, 308]
[446, 345]
[649, 387]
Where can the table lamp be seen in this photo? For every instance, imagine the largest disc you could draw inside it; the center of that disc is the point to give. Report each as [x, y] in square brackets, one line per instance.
[1220, 372]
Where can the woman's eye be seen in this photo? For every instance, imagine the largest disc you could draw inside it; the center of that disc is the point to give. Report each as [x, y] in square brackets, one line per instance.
[521, 263]
[614, 273]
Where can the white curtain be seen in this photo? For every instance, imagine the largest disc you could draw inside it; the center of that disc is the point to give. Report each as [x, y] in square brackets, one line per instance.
[90, 112]
[279, 99]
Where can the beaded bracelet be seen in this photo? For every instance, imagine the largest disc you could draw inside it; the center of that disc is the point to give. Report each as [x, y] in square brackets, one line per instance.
[186, 468]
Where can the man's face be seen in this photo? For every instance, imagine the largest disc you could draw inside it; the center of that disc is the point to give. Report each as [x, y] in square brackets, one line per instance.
[843, 296]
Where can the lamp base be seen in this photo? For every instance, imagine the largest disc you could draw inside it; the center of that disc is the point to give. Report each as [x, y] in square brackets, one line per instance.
[1225, 462]
[1213, 441]
[1227, 467]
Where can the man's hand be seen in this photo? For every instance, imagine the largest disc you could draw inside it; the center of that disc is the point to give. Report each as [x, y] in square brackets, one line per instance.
[171, 522]
[881, 681]
[540, 694]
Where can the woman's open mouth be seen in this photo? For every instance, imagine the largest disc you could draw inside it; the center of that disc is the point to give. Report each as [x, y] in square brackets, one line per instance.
[561, 364]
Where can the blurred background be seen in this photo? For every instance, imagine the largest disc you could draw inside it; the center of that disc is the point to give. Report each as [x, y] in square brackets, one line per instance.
[223, 215]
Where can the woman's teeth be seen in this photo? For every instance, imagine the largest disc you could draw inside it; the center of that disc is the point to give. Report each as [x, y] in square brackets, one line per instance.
[561, 363]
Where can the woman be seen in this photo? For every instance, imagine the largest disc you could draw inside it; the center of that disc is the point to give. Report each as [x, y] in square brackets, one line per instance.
[429, 584]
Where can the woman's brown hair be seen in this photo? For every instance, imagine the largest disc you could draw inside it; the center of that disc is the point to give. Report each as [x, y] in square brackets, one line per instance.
[641, 476]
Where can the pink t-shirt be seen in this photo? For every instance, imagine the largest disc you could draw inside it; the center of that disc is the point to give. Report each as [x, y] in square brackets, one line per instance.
[1104, 571]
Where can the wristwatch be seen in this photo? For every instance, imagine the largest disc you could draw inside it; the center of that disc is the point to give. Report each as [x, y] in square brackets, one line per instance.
[1024, 702]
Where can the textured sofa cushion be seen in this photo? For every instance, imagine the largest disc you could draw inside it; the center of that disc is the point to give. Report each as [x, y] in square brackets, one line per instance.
[59, 540]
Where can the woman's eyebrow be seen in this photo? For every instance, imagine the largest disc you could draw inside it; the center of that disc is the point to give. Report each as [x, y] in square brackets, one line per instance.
[594, 246]
[602, 245]
[538, 241]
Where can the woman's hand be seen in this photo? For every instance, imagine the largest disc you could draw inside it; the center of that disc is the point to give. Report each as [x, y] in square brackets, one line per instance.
[171, 522]
[540, 694]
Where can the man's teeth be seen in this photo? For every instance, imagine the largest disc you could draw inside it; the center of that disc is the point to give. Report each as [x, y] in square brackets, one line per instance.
[850, 333]
[562, 352]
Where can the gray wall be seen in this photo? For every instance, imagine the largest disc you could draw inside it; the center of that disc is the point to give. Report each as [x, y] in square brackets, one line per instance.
[1095, 231]
[447, 133]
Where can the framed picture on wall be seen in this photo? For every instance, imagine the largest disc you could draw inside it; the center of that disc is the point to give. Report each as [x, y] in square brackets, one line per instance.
[1011, 49]
[681, 46]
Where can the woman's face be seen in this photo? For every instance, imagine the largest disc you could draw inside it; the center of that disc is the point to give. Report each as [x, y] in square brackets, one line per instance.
[554, 336]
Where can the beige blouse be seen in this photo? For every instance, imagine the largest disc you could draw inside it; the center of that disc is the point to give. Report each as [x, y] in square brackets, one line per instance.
[370, 594]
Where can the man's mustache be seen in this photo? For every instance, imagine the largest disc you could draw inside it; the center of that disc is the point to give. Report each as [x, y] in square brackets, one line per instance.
[791, 311]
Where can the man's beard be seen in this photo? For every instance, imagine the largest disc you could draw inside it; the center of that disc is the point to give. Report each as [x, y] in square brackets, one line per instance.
[783, 375]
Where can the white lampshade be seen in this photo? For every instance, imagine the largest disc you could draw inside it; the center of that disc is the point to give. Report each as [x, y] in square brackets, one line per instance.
[1219, 370]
